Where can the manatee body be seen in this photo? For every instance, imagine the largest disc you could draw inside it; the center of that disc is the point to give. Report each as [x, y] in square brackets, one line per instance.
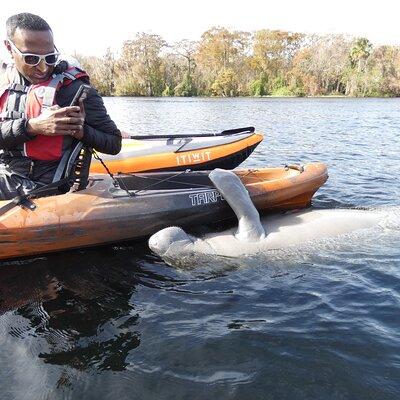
[254, 235]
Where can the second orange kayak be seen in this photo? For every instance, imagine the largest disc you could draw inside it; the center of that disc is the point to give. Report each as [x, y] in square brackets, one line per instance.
[180, 152]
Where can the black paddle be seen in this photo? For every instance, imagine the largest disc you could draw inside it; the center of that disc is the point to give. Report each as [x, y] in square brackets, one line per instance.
[249, 129]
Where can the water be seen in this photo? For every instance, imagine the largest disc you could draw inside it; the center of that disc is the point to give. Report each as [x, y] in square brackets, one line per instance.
[320, 323]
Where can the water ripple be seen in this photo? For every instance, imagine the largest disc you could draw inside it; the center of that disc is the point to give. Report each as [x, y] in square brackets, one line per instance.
[318, 322]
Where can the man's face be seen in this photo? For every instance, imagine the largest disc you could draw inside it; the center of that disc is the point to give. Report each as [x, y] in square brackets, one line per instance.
[35, 42]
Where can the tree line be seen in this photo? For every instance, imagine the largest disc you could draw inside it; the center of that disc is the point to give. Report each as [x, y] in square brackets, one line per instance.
[231, 63]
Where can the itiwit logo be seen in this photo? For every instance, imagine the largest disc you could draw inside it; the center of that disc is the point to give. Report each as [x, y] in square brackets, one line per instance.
[193, 158]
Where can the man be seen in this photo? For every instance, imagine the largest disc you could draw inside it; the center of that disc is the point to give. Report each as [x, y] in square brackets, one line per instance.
[37, 125]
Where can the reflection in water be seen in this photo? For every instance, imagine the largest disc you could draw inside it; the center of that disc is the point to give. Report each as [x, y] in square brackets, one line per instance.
[75, 310]
[80, 302]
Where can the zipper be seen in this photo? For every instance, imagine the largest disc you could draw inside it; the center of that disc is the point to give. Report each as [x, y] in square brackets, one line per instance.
[30, 173]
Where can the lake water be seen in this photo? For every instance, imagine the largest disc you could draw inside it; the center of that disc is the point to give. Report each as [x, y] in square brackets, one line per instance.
[320, 322]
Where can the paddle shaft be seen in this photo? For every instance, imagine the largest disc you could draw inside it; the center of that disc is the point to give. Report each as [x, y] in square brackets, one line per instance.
[126, 135]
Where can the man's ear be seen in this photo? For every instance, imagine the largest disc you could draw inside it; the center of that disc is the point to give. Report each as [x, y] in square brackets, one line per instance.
[8, 46]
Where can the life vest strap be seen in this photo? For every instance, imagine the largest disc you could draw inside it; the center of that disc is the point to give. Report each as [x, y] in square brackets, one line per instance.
[16, 101]
[52, 87]
[50, 91]
[17, 87]
[64, 161]
[12, 115]
[11, 153]
[69, 75]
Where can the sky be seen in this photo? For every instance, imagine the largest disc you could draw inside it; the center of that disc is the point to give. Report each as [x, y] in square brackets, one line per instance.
[89, 28]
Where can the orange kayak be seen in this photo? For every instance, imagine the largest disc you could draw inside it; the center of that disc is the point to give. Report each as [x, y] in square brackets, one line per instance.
[180, 152]
[143, 204]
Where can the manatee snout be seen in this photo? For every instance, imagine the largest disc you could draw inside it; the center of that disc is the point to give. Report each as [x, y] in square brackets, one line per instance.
[162, 241]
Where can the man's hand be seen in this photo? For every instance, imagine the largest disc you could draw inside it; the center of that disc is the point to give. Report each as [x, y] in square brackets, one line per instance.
[82, 115]
[58, 121]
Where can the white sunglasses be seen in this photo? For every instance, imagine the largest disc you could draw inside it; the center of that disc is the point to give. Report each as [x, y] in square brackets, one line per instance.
[34, 59]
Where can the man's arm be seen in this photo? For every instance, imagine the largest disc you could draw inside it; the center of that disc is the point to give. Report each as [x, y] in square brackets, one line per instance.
[100, 131]
[13, 133]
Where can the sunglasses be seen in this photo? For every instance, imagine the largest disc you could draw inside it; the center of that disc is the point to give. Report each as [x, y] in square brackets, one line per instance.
[34, 59]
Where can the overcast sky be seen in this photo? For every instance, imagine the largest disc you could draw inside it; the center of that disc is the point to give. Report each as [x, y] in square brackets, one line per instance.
[89, 28]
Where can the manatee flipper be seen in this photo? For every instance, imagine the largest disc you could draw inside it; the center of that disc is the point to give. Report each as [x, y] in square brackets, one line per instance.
[234, 192]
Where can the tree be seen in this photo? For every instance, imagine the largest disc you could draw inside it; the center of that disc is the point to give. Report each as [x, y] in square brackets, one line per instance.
[186, 49]
[358, 73]
[320, 67]
[225, 84]
[106, 75]
[221, 50]
[359, 53]
[273, 52]
[259, 87]
[385, 71]
[141, 65]
[101, 71]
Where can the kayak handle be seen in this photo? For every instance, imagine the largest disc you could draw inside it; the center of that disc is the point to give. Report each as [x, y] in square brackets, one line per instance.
[249, 129]
[299, 168]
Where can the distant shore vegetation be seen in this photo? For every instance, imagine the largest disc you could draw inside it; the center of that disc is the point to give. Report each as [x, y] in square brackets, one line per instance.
[227, 63]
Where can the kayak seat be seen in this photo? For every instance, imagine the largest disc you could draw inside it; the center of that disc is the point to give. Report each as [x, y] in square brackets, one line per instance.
[73, 169]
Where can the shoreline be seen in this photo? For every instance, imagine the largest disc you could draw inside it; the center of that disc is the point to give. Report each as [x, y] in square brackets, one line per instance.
[259, 97]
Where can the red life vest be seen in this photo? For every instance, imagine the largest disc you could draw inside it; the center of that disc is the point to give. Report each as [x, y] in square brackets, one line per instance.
[19, 101]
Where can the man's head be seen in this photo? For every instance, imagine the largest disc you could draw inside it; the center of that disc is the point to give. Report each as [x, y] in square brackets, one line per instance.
[29, 35]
